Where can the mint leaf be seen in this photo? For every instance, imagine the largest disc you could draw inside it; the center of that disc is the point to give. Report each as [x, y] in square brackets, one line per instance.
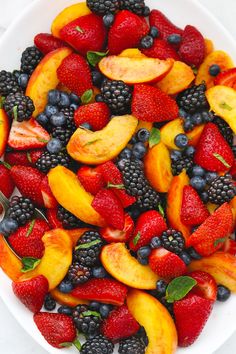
[225, 105]
[29, 263]
[30, 229]
[2, 100]
[87, 245]
[221, 159]
[41, 140]
[87, 96]
[195, 70]
[95, 57]
[91, 142]
[79, 29]
[65, 345]
[136, 239]
[155, 137]
[7, 165]
[91, 313]
[117, 186]
[15, 114]
[161, 210]
[29, 157]
[179, 288]
[77, 344]
[219, 241]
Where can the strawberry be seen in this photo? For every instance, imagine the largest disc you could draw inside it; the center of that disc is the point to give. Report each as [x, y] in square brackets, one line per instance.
[110, 208]
[27, 240]
[86, 33]
[54, 222]
[166, 264]
[164, 25]
[206, 285]
[230, 247]
[109, 234]
[192, 47]
[126, 32]
[161, 50]
[75, 74]
[214, 231]
[23, 158]
[56, 328]
[105, 290]
[148, 225]
[191, 314]
[226, 78]
[6, 183]
[193, 211]
[91, 179]
[152, 105]
[233, 170]
[46, 42]
[31, 292]
[212, 151]
[112, 175]
[119, 324]
[49, 200]
[96, 114]
[28, 181]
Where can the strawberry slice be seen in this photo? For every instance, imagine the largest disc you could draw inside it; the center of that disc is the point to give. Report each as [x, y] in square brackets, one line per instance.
[110, 234]
[96, 114]
[206, 285]
[49, 200]
[53, 220]
[230, 247]
[226, 78]
[164, 25]
[91, 179]
[6, 183]
[192, 47]
[161, 50]
[23, 158]
[46, 42]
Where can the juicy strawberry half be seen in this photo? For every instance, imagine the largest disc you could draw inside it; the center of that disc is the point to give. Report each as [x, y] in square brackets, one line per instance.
[49, 200]
[6, 183]
[192, 47]
[206, 285]
[23, 158]
[161, 50]
[91, 179]
[230, 247]
[109, 234]
[53, 220]
[164, 25]
[227, 78]
[96, 114]
[46, 42]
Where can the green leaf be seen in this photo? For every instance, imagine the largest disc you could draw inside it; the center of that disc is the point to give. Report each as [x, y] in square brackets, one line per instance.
[66, 345]
[155, 137]
[15, 114]
[136, 239]
[29, 263]
[117, 186]
[161, 210]
[79, 29]
[221, 159]
[179, 288]
[29, 157]
[91, 313]
[30, 229]
[225, 105]
[91, 142]
[87, 96]
[219, 241]
[77, 344]
[2, 100]
[95, 57]
[41, 140]
[195, 70]
[87, 245]
[7, 165]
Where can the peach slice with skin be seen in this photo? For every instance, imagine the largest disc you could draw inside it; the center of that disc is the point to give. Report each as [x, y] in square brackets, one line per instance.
[178, 79]
[156, 320]
[56, 259]
[174, 203]
[76, 234]
[135, 70]
[9, 262]
[44, 78]
[118, 262]
[209, 46]
[221, 265]
[74, 197]
[67, 299]
[94, 148]
[132, 53]
[157, 168]
[68, 15]
[4, 131]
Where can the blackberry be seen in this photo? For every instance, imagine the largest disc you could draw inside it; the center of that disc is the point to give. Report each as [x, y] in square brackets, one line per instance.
[193, 99]
[69, 114]
[221, 190]
[8, 83]
[63, 134]
[137, 185]
[102, 7]
[48, 160]
[30, 59]
[87, 322]
[182, 163]
[173, 241]
[21, 209]
[136, 6]
[198, 118]
[98, 345]
[69, 221]
[88, 249]
[78, 274]
[132, 345]
[117, 95]
[19, 106]
[225, 130]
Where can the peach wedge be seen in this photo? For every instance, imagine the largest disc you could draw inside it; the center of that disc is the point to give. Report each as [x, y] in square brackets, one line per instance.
[118, 262]
[156, 320]
[94, 148]
[4, 131]
[67, 299]
[44, 78]
[132, 53]
[135, 70]
[9, 262]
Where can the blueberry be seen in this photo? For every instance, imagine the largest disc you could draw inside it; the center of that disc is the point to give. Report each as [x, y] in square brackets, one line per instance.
[42, 119]
[64, 100]
[181, 141]
[65, 286]
[185, 257]
[86, 126]
[58, 119]
[204, 197]
[175, 155]
[65, 310]
[143, 261]
[104, 310]
[99, 98]
[49, 303]
[146, 11]
[190, 151]
[126, 153]
[75, 99]
[197, 119]
[161, 286]
[108, 20]
[139, 150]
[53, 97]
[54, 146]
[7, 226]
[74, 106]
[210, 176]
[155, 242]
[146, 42]
[174, 38]
[154, 32]
[50, 110]
[193, 253]
[198, 183]
[223, 293]
[214, 70]
[97, 78]
[188, 125]
[143, 135]
[23, 80]
[99, 272]
[144, 252]
[94, 306]
[183, 113]
[198, 171]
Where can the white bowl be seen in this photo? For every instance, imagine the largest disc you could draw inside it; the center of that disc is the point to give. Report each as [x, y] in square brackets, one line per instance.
[37, 18]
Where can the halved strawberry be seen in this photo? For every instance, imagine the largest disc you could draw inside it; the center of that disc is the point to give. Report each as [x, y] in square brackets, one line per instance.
[164, 25]
[230, 247]
[50, 201]
[161, 50]
[109, 234]
[6, 183]
[46, 42]
[53, 220]
[23, 158]
[226, 78]
[206, 285]
[192, 47]
[96, 114]
[91, 179]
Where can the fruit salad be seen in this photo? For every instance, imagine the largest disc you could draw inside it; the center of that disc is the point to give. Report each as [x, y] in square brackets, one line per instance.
[117, 179]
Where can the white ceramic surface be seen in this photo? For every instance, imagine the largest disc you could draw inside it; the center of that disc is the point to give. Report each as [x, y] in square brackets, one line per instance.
[37, 18]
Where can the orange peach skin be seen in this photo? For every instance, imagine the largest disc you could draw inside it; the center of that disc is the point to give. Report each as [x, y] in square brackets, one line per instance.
[9, 262]
[132, 53]
[44, 78]
[67, 299]
[156, 320]
[4, 131]
[209, 46]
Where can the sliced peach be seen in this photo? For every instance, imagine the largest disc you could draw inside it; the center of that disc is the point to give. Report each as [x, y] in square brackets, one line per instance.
[135, 70]
[118, 262]
[194, 135]
[178, 79]
[222, 100]
[221, 265]
[211, 207]
[56, 259]
[217, 57]
[209, 46]
[156, 320]
[132, 53]
[174, 203]
[103, 145]
[157, 167]
[74, 197]
[142, 124]
[68, 15]
[44, 78]
[4, 131]
[9, 262]
[233, 207]
[67, 299]
[76, 234]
